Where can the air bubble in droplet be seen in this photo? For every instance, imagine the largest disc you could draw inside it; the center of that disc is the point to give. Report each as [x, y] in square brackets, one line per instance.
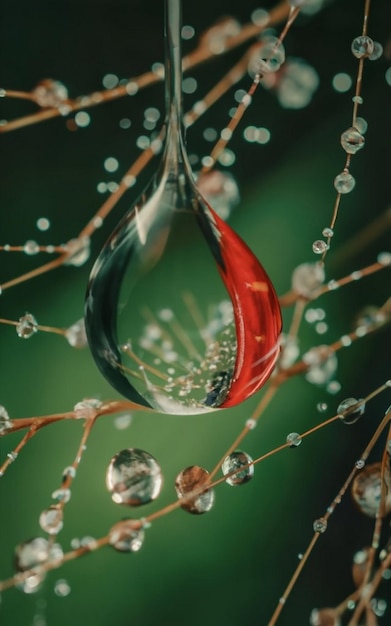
[134, 477]
[191, 479]
[235, 461]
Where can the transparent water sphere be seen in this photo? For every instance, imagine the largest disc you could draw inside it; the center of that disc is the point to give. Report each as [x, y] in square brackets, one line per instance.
[31, 553]
[50, 93]
[153, 303]
[235, 461]
[307, 278]
[366, 489]
[349, 412]
[189, 480]
[134, 477]
[352, 140]
[51, 520]
[268, 57]
[362, 46]
[127, 536]
[27, 326]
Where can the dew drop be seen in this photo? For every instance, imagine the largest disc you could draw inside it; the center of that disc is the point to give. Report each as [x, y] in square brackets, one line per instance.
[31, 247]
[51, 520]
[78, 251]
[87, 408]
[320, 525]
[31, 553]
[62, 588]
[5, 422]
[233, 462]
[190, 479]
[362, 46]
[27, 326]
[319, 246]
[50, 93]
[134, 477]
[294, 440]
[352, 140]
[307, 278]
[127, 536]
[76, 334]
[344, 182]
[268, 57]
[349, 412]
[366, 490]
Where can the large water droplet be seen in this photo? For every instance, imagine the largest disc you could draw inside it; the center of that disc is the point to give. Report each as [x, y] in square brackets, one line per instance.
[171, 262]
[134, 477]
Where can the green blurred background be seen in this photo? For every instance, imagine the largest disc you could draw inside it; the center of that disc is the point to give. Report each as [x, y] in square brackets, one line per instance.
[231, 565]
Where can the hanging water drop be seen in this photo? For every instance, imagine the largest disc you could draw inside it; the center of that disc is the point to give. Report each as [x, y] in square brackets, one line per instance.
[172, 251]
[134, 477]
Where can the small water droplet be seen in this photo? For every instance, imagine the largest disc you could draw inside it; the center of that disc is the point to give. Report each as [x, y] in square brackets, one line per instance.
[62, 495]
[5, 422]
[76, 334]
[127, 536]
[349, 412]
[319, 246]
[294, 440]
[320, 525]
[62, 588]
[307, 277]
[78, 251]
[344, 182]
[50, 93]
[51, 520]
[27, 326]
[362, 46]
[134, 477]
[235, 461]
[352, 140]
[191, 479]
